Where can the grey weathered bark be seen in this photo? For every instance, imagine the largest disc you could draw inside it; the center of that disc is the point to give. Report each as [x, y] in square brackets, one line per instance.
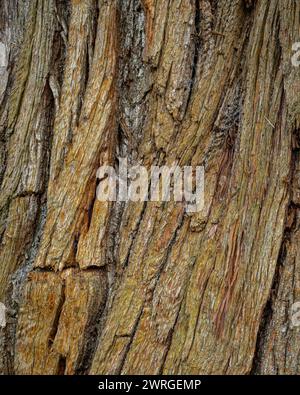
[95, 287]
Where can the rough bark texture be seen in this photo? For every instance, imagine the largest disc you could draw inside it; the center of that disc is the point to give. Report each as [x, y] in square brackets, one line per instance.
[96, 288]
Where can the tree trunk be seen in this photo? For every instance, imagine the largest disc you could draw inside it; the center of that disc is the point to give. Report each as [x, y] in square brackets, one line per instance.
[95, 287]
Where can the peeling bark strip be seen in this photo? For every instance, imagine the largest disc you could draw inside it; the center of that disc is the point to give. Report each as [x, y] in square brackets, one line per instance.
[73, 176]
[25, 129]
[60, 309]
[146, 288]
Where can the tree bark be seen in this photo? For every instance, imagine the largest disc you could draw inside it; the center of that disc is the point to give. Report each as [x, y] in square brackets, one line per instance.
[97, 287]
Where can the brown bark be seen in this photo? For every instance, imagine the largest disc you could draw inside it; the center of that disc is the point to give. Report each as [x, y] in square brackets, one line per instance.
[133, 288]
